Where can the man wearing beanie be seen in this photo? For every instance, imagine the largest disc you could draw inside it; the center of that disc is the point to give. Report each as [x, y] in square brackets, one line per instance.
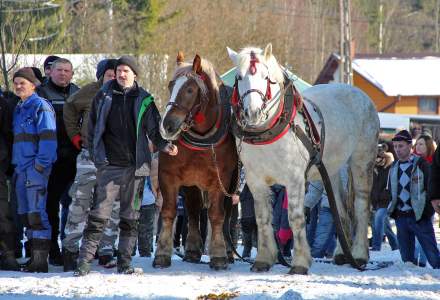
[76, 115]
[56, 90]
[122, 120]
[410, 204]
[34, 152]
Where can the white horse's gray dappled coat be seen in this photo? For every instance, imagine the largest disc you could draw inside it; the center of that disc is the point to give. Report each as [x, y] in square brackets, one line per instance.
[351, 133]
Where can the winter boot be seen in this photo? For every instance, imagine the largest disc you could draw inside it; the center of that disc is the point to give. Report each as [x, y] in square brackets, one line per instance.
[55, 257]
[127, 241]
[83, 269]
[69, 260]
[38, 261]
[27, 248]
[8, 262]
[104, 259]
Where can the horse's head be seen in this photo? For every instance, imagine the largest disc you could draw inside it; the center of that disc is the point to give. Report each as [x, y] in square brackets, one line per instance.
[258, 81]
[189, 96]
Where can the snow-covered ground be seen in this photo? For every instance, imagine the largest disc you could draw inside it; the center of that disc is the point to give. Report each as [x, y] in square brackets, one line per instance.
[190, 281]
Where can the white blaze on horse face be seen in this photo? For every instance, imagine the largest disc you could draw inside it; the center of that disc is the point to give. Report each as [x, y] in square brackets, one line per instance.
[176, 88]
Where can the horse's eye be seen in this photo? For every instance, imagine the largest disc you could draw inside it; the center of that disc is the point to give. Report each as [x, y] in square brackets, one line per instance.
[239, 77]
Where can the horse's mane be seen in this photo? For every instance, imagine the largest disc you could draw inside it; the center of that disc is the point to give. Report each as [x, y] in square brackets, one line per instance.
[207, 67]
[243, 59]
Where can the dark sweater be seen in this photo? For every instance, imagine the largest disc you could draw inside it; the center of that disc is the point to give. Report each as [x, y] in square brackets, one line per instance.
[120, 134]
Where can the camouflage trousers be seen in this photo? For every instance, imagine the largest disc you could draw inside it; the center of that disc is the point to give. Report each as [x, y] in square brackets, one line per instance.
[83, 197]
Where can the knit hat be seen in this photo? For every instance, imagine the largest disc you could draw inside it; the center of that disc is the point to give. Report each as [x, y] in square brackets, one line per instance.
[28, 74]
[38, 74]
[49, 61]
[129, 61]
[403, 135]
[104, 65]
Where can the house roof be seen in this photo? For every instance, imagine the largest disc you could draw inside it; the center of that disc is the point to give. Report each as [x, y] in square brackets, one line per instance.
[404, 75]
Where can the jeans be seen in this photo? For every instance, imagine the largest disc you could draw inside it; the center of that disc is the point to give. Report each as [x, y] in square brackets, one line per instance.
[324, 241]
[407, 230]
[311, 225]
[380, 227]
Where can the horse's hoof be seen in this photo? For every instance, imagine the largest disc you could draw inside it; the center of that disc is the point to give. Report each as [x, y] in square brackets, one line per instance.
[361, 261]
[192, 256]
[218, 263]
[161, 261]
[260, 267]
[298, 270]
[339, 259]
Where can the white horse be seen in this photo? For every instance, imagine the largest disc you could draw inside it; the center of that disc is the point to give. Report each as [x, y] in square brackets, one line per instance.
[351, 132]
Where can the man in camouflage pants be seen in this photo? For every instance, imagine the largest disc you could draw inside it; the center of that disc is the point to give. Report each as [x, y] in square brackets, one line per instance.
[82, 191]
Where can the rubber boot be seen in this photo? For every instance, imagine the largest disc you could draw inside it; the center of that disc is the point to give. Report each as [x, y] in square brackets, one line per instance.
[8, 262]
[55, 257]
[38, 261]
[69, 260]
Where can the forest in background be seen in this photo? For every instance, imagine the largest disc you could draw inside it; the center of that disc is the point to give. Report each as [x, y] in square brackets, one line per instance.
[303, 32]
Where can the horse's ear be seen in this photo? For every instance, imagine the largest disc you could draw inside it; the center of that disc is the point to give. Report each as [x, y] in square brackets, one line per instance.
[268, 52]
[232, 55]
[180, 58]
[197, 64]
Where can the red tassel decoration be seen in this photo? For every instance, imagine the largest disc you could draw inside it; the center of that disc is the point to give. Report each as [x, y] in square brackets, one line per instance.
[268, 91]
[199, 118]
[234, 98]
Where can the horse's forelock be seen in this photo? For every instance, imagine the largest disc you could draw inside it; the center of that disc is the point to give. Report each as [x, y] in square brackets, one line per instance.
[244, 57]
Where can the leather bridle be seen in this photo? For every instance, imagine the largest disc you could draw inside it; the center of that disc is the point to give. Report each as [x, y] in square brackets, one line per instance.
[192, 112]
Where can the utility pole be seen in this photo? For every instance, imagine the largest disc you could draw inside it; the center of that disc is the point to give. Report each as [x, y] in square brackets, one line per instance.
[380, 27]
[345, 69]
[437, 29]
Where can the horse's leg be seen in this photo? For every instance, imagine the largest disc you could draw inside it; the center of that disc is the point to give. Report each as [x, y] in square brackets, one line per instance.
[193, 204]
[362, 182]
[302, 259]
[162, 257]
[217, 249]
[267, 251]
[340, 190]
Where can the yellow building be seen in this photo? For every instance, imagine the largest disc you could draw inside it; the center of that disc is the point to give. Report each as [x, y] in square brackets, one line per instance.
[401, 84]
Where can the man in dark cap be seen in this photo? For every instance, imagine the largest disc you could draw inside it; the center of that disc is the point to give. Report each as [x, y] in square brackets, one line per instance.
[34, 152]
[56, 90]
[410, 203]
[47, 65]
[76, 115]
[122, 120]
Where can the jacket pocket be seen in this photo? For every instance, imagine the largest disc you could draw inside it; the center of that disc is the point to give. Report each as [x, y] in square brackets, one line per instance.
[35, 178]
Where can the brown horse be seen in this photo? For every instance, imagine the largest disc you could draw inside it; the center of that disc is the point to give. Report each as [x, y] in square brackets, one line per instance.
[197, 119]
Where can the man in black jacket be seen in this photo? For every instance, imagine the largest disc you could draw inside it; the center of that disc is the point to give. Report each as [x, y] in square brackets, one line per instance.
[122, 120]
[7, 228]
[57, 89]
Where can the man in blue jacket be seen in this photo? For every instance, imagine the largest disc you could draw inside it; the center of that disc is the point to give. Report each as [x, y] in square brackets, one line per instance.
[34, 152]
